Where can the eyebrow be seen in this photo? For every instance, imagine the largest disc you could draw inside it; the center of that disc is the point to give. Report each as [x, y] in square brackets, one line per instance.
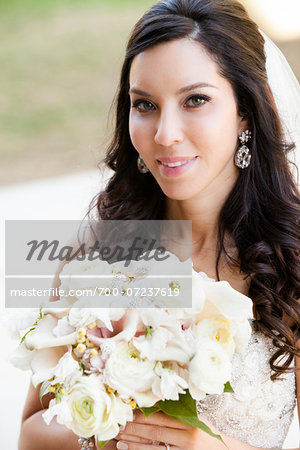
[188, 88]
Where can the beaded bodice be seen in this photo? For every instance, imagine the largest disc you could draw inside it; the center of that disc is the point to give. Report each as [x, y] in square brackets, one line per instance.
[260, 411]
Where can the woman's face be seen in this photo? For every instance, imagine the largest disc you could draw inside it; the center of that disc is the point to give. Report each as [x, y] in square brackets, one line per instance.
[183, 119]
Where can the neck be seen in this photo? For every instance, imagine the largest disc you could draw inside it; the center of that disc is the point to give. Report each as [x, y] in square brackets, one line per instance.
[204, 212]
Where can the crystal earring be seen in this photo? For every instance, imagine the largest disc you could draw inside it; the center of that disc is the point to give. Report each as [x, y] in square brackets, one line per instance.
[243, 156]
[141, 165]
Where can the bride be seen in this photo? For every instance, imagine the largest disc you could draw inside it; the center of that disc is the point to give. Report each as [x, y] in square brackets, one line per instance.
[199, 137]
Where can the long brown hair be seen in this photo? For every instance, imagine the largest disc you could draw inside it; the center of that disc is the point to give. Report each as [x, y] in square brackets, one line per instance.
[262, 212]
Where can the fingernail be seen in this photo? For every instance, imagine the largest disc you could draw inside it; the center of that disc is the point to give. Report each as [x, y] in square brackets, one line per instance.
[122, 446]
[122, 428]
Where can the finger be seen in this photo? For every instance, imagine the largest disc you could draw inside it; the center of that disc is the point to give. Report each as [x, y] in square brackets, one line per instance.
[128, 437]
[126, 445]
[156, 433]
[161, 419]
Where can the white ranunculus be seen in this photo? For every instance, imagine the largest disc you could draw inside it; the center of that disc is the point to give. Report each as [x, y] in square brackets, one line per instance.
[88, 410]
[209, 369]
[130, 375]
[168, 384]
[218, 330]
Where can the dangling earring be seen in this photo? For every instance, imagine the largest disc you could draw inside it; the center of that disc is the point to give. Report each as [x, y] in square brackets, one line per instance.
[141, 165]
[243, 156]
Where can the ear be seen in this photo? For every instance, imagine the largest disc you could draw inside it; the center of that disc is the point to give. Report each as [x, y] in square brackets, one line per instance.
[244, 125]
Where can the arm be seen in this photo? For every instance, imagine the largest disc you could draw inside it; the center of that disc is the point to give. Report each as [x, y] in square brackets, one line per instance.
[36, 434]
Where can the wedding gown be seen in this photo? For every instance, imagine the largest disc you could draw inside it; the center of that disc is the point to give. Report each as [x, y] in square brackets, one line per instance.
[260, 411]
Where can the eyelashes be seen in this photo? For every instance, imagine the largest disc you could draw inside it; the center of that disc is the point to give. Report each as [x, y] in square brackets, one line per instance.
[194, 101]
[143, 106]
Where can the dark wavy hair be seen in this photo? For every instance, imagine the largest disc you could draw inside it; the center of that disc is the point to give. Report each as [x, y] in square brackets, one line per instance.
[262, 212]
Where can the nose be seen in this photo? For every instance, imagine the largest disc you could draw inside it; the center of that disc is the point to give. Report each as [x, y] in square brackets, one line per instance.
[169, 129]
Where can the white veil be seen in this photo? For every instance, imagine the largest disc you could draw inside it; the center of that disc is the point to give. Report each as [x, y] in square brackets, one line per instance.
[286, 91]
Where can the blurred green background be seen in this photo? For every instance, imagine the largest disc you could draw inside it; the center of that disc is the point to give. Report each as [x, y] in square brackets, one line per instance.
[60, 62]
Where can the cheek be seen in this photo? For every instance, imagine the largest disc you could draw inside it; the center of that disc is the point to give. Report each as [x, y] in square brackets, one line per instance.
[215, 134]
[140, 132]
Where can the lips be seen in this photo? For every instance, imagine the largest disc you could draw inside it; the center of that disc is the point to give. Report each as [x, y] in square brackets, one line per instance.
[175, 159]
[175, 166]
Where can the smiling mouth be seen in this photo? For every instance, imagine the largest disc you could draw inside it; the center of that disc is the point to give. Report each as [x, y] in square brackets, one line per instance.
[177, 163]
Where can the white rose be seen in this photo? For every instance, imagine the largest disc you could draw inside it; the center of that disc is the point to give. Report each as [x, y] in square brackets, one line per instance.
[88, 410]
[209, 369]
[130, 375]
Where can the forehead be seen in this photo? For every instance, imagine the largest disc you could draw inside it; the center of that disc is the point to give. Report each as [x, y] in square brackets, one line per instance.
[176, 63]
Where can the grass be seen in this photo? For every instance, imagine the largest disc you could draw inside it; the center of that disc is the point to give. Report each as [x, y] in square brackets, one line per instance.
[60, 63]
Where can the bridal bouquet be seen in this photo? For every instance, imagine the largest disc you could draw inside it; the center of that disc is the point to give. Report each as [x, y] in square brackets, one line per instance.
[102, 363]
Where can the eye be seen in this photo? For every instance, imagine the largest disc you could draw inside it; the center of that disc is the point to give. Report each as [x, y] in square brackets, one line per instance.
[196, 100]
[143, 106]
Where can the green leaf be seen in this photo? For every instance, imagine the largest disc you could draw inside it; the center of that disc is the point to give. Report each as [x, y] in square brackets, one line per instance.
[102, 443]
[148, 411]
[228, 387]
[185, 410]
[58, 396]
[44, 390]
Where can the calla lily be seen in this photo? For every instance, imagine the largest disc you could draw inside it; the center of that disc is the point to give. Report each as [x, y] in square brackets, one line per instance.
[44, 363]
[22, 357]
[42, 336]
[222, 299]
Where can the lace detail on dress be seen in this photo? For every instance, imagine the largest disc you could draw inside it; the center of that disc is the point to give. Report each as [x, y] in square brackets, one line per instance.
[260, 411]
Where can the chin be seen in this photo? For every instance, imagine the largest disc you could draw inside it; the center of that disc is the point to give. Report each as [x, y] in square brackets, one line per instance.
[179, 194]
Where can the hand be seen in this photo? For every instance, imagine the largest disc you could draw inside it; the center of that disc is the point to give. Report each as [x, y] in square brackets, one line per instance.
[141, 433]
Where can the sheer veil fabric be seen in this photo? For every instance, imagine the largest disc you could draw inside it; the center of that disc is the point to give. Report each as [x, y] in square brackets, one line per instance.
[286, 91]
